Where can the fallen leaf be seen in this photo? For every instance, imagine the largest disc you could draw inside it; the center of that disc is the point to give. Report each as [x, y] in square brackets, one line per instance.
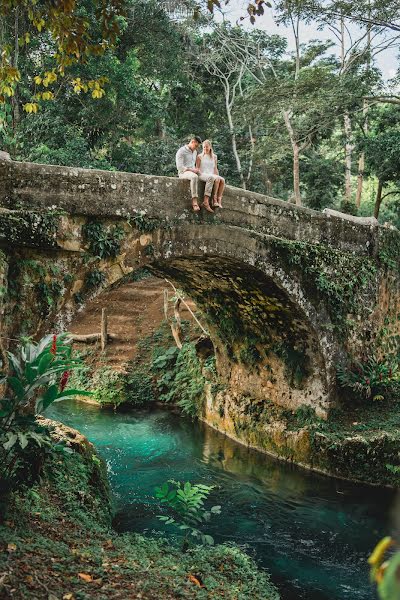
[68, 597]
[11, 547]
[29, 579]
[109, 544]
[86, 577]
[194, 580]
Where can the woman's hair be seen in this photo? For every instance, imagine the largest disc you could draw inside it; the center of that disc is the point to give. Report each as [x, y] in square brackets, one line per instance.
[210, 144]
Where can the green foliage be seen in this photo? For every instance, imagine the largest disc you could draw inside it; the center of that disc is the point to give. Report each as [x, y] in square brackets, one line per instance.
[182, 382]
[371, 378]
[144, 223]
[103, 242]
[94, 279]
[48, 294]
[108, 387]
[250, 355]
[186, 501]
[338, 287]
[140, 274]
[139, 387]
[321, 180]
[296, 361]
[39, 376]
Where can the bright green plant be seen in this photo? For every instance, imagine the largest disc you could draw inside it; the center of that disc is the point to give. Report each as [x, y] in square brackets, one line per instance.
[139, 387]
[188, 514]
[368, 379]
[39, 374]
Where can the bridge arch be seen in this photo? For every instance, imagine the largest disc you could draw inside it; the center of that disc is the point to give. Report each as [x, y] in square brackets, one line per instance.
[271, 341]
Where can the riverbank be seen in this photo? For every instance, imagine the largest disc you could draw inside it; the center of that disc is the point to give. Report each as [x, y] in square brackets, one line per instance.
[361, 450]
[57, 542]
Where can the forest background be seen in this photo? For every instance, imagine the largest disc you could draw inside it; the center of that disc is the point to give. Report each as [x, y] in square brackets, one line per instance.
[312, 122]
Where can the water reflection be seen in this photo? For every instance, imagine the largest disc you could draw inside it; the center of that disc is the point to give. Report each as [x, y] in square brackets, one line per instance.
[313, 533]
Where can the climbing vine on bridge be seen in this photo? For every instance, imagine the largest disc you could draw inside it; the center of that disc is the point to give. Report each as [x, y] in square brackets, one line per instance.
[337, 278]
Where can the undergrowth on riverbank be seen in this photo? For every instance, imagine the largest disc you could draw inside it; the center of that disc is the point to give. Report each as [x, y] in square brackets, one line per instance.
[56, 541]
[159, 371]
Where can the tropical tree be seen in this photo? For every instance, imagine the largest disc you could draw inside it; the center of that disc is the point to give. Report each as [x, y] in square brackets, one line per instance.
[381, 145]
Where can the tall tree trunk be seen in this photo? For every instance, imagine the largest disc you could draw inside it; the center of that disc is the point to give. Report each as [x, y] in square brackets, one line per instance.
[348, 158]
[361, 159]
[233, 139]
[296, 173]
[360, 178]
[296, 158]
[378, 199]
[252, 148]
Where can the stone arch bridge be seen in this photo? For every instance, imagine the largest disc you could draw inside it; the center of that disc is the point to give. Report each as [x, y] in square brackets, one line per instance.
[288, 293]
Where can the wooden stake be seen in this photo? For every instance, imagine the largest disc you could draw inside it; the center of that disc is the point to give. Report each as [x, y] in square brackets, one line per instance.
[103, 330]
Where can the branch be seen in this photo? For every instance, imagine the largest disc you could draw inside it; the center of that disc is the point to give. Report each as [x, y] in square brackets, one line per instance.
[188, 307]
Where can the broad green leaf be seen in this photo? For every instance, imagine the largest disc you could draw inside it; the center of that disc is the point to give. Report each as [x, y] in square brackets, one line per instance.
[47, 398]
[17, 387]
[44, 362]
[23, 440]
[15, 363]
[12, 439]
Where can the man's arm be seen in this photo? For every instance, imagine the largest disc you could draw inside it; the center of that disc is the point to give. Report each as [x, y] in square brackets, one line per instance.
[179, 161]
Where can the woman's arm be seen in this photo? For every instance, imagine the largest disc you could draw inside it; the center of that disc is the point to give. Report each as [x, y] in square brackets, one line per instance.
[198, 161]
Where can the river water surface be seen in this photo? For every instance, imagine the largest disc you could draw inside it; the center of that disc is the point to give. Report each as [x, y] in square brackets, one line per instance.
[312, 533]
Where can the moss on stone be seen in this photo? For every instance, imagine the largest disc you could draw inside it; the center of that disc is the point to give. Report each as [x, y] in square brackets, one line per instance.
[338, 279]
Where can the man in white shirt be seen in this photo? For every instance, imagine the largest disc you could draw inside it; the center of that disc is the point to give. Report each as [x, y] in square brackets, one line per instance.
[186, 165]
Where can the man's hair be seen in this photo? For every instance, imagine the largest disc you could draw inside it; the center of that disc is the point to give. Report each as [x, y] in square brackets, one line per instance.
[197, 138]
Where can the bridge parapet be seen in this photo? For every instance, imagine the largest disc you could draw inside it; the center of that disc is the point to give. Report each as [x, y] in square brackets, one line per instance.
[116, 195]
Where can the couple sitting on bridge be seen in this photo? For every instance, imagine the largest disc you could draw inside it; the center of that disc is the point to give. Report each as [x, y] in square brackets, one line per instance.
[202, 166]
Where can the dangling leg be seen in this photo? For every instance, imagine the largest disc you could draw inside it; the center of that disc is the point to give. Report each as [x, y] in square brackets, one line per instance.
[209, 179]
[215, 198]
[221, 187]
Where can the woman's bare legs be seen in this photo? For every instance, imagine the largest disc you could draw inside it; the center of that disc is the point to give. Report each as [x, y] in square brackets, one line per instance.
[219, 190]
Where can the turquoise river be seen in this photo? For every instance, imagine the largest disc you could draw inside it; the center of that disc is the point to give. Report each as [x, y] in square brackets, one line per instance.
[312, 533]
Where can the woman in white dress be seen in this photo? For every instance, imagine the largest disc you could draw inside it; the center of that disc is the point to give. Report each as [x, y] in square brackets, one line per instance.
[207, 163]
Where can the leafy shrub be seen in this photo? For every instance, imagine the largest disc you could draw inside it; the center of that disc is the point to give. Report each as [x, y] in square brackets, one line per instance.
[104, 243]
[94, 279]
[139, 388]
[186, 501]
[108, 387]
[144, 223]
[39, 376]
[370, 379]
[182, 381]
